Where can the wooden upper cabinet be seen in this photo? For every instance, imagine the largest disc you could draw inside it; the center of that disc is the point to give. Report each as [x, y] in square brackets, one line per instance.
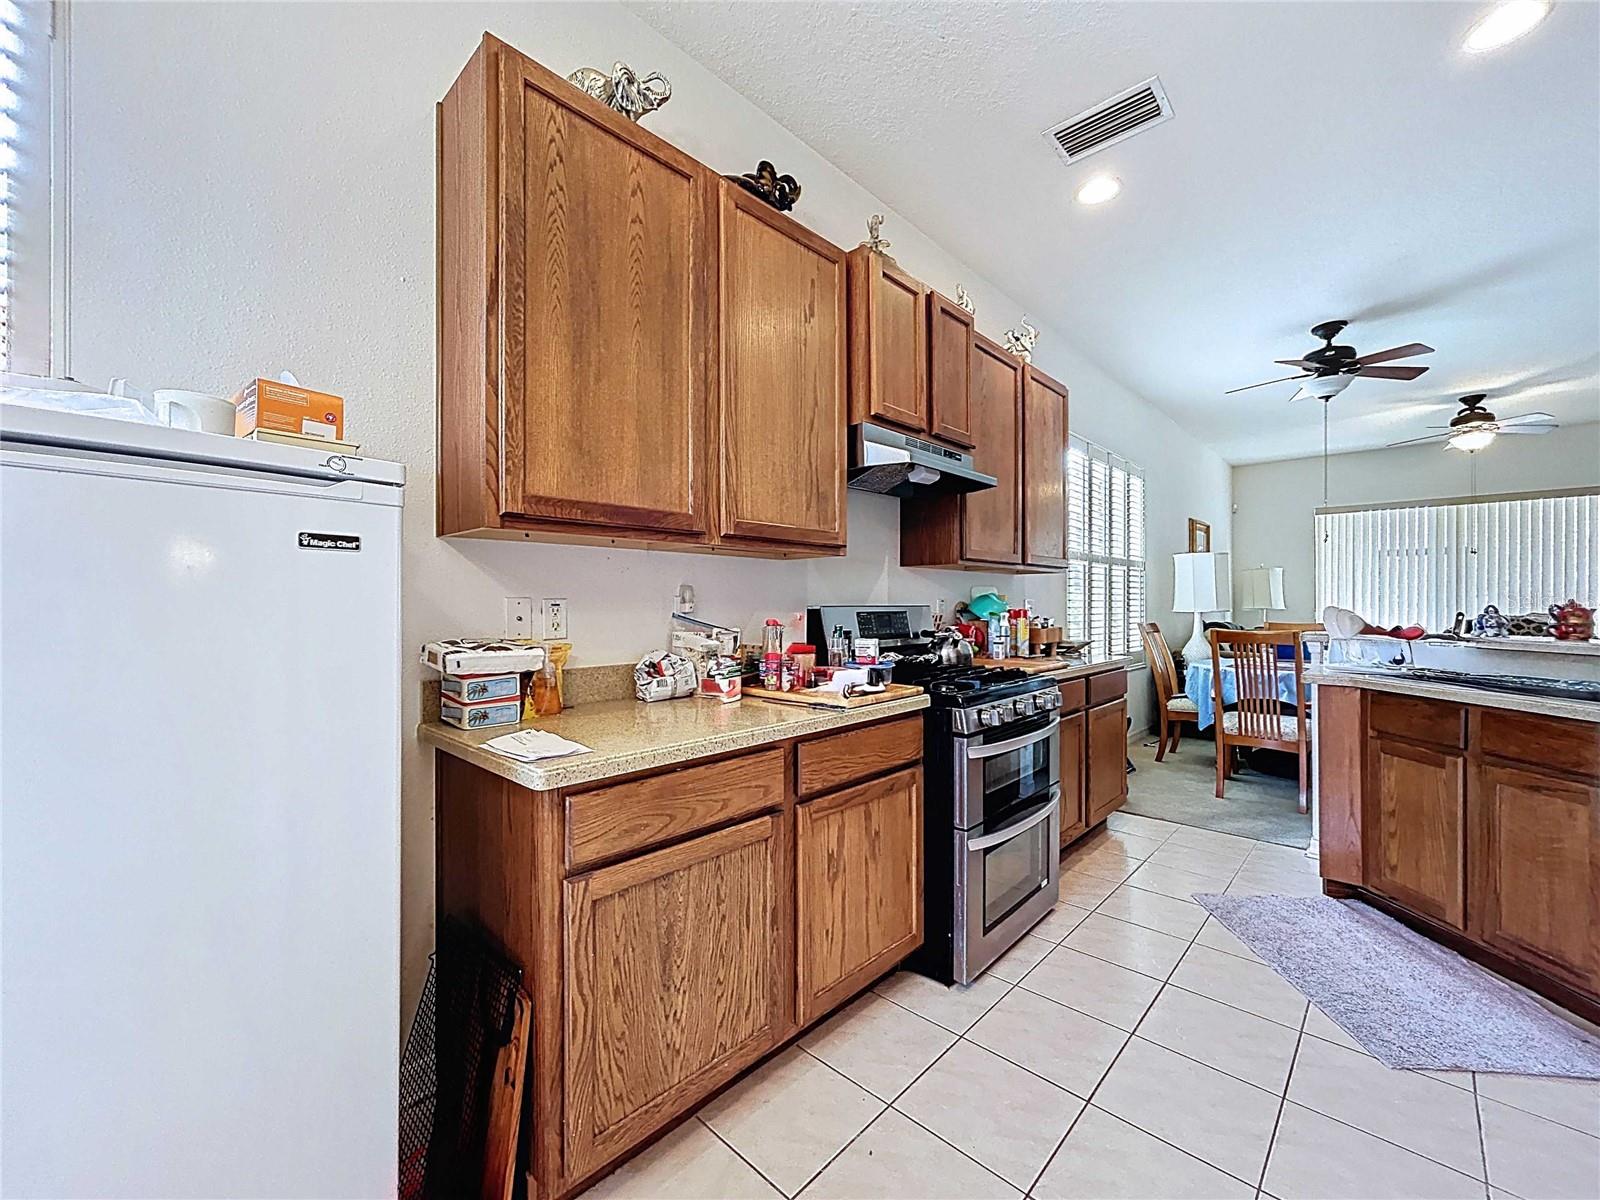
[982, 529]
[949, 371]
[1536, 846]
[888, 343]
[1414, 825]
[675, 983]
[783, 418]
[1044, 470]
[577, 266]
[858, 887]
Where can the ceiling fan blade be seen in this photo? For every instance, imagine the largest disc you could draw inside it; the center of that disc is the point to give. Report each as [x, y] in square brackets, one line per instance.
[1267, 383]
[1432, 437]
[1393, 353]
[1390, 372]
[1528, 419]
[1551, 428]
[1295, 362]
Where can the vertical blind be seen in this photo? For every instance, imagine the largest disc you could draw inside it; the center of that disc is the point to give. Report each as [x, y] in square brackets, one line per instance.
[1422, 564]
[1105, 549]
[25, 219]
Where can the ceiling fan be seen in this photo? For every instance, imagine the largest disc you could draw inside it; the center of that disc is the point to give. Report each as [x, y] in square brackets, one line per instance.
[1474, 427]
[1331, 368]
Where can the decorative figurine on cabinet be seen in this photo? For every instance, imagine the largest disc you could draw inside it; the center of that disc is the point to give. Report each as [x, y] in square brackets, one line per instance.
[623, 90]
[965, 301]
[876, 242]
[1021, 340]
[780, 191]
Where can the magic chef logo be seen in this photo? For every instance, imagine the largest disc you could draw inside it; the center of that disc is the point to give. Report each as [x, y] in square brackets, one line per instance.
[329, 541]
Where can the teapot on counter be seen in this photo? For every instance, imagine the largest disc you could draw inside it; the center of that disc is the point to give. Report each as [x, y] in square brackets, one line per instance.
[1573, 622]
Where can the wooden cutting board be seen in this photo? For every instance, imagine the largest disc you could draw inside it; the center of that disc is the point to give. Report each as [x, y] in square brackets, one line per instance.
[817, 698]
[1034, 666]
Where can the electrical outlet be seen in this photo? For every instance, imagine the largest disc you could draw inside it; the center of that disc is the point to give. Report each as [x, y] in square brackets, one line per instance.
[555, 618]
[519, 617]
[683, 602]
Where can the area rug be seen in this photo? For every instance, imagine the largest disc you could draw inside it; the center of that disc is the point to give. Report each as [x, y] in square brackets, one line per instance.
[1409, 1001]
[1182, 788]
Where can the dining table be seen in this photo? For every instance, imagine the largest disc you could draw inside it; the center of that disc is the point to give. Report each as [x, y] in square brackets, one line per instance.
[1197, 678]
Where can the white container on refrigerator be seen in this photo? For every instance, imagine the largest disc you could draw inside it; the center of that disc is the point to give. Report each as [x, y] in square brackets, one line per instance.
[199, 834]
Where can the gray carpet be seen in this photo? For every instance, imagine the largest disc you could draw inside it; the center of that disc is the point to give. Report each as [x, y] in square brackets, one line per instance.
[1182, 789]
[1409, 1001]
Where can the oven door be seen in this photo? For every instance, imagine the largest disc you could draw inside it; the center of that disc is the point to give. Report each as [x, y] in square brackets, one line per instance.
[1007, 879]
[1002, 769]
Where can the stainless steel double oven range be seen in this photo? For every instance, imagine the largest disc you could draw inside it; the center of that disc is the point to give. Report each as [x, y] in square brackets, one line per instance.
[992, 795]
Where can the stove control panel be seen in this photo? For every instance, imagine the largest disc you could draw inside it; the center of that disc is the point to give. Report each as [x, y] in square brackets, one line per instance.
[1003, 712]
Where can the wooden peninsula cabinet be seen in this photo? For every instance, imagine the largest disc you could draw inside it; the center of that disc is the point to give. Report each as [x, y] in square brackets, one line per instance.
[676, 926]
[611, 320]
[1478, 824]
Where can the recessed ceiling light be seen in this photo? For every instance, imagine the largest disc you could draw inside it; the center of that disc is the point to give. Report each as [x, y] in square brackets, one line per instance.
[1099, 189]
[1505, 22]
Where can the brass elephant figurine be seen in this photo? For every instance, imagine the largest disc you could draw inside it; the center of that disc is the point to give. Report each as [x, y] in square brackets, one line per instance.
[623, 90]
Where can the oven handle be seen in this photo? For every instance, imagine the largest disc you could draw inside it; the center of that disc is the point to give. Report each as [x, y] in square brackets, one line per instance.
[1027, 739]
[1044, 812]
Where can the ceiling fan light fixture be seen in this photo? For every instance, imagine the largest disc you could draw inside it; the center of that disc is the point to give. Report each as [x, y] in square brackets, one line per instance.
[1099, 189]
[1505, 23]
[1471, 439]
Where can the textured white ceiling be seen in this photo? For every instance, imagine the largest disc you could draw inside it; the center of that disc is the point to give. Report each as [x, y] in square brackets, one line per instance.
[1326, 160]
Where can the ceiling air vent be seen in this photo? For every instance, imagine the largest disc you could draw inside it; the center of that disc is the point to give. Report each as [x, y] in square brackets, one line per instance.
[1111, 120]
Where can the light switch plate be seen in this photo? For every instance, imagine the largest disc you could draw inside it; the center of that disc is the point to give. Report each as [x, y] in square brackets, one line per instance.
[555, 618]
[519, 617]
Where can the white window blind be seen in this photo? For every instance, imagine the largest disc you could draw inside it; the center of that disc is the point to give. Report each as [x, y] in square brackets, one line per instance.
[1105, 549]
[1421, 564]
[26, 146]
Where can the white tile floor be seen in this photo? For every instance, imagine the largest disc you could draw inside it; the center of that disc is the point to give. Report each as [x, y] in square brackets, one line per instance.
[1129, 1047]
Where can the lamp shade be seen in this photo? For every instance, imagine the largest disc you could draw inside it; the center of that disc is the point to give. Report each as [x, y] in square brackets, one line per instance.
[1261, 587]
[1201, 583]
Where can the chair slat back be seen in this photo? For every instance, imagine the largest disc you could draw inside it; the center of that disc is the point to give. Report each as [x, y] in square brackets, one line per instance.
[1162, 668]
[1257, 668]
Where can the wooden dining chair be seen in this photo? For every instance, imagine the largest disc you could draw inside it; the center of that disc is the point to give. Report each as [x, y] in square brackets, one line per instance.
[1174, 707]
[1258, 718]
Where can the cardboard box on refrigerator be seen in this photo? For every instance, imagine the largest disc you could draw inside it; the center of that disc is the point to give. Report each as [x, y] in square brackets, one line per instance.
[271, 404]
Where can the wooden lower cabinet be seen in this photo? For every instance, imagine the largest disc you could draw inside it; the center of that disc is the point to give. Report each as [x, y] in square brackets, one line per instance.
[1074, 760]
[1107, 738]
[1415, 826]
[1536, 889]
[858, 887]
[674, 982]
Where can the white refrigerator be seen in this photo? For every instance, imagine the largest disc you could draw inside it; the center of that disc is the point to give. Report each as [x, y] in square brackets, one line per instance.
[199, 814]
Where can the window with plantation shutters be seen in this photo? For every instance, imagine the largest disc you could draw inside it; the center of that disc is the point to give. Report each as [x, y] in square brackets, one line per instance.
[1423, 563]
[26, 146]
[1105, 549]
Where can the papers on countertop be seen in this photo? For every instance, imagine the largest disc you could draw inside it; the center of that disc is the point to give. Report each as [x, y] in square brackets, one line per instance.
[532, 745]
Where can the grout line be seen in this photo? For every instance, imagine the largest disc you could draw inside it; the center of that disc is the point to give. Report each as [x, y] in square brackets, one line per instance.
[1283, 1099]
[770, 1183]
[1483, 1142]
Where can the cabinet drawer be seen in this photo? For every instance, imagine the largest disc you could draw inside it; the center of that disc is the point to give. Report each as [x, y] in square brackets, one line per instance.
[1543, 741]
[1417, 720]
[844, 758]
[1074, 695]
[1107, 686]
[625, 817]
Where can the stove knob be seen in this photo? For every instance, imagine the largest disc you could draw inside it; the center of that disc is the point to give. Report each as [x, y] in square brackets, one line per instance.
[986, 716]
[1021, 706]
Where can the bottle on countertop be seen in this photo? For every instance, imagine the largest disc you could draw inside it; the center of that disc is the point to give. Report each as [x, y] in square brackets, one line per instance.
[772, 654]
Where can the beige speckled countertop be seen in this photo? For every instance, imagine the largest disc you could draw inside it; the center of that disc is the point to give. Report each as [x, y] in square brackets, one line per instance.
[1061, 669]
[1378, 680]
[626, 736]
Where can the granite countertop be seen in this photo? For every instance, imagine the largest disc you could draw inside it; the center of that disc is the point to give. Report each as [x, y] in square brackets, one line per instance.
[1060, 668]
[1383, 680]
[626, 736]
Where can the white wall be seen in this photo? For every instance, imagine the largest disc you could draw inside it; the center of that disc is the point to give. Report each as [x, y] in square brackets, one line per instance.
[1275, 503]
[252, 189]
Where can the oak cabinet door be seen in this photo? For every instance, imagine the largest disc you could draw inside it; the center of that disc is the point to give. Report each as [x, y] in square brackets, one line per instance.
[1107, 738]
[783, 378]
[1537, 846]
[1074, 760]
[888, 343]
[608, 259]
[1415, 827]
[949, 371]
[858, 886]
[992, 518]
[1044, 470]
[675, 982]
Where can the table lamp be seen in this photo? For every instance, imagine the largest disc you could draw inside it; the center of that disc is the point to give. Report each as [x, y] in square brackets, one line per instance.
[1261, 587]
[1201, 583]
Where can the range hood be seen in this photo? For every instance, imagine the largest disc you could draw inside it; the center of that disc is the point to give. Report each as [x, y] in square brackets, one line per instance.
[891, 463]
